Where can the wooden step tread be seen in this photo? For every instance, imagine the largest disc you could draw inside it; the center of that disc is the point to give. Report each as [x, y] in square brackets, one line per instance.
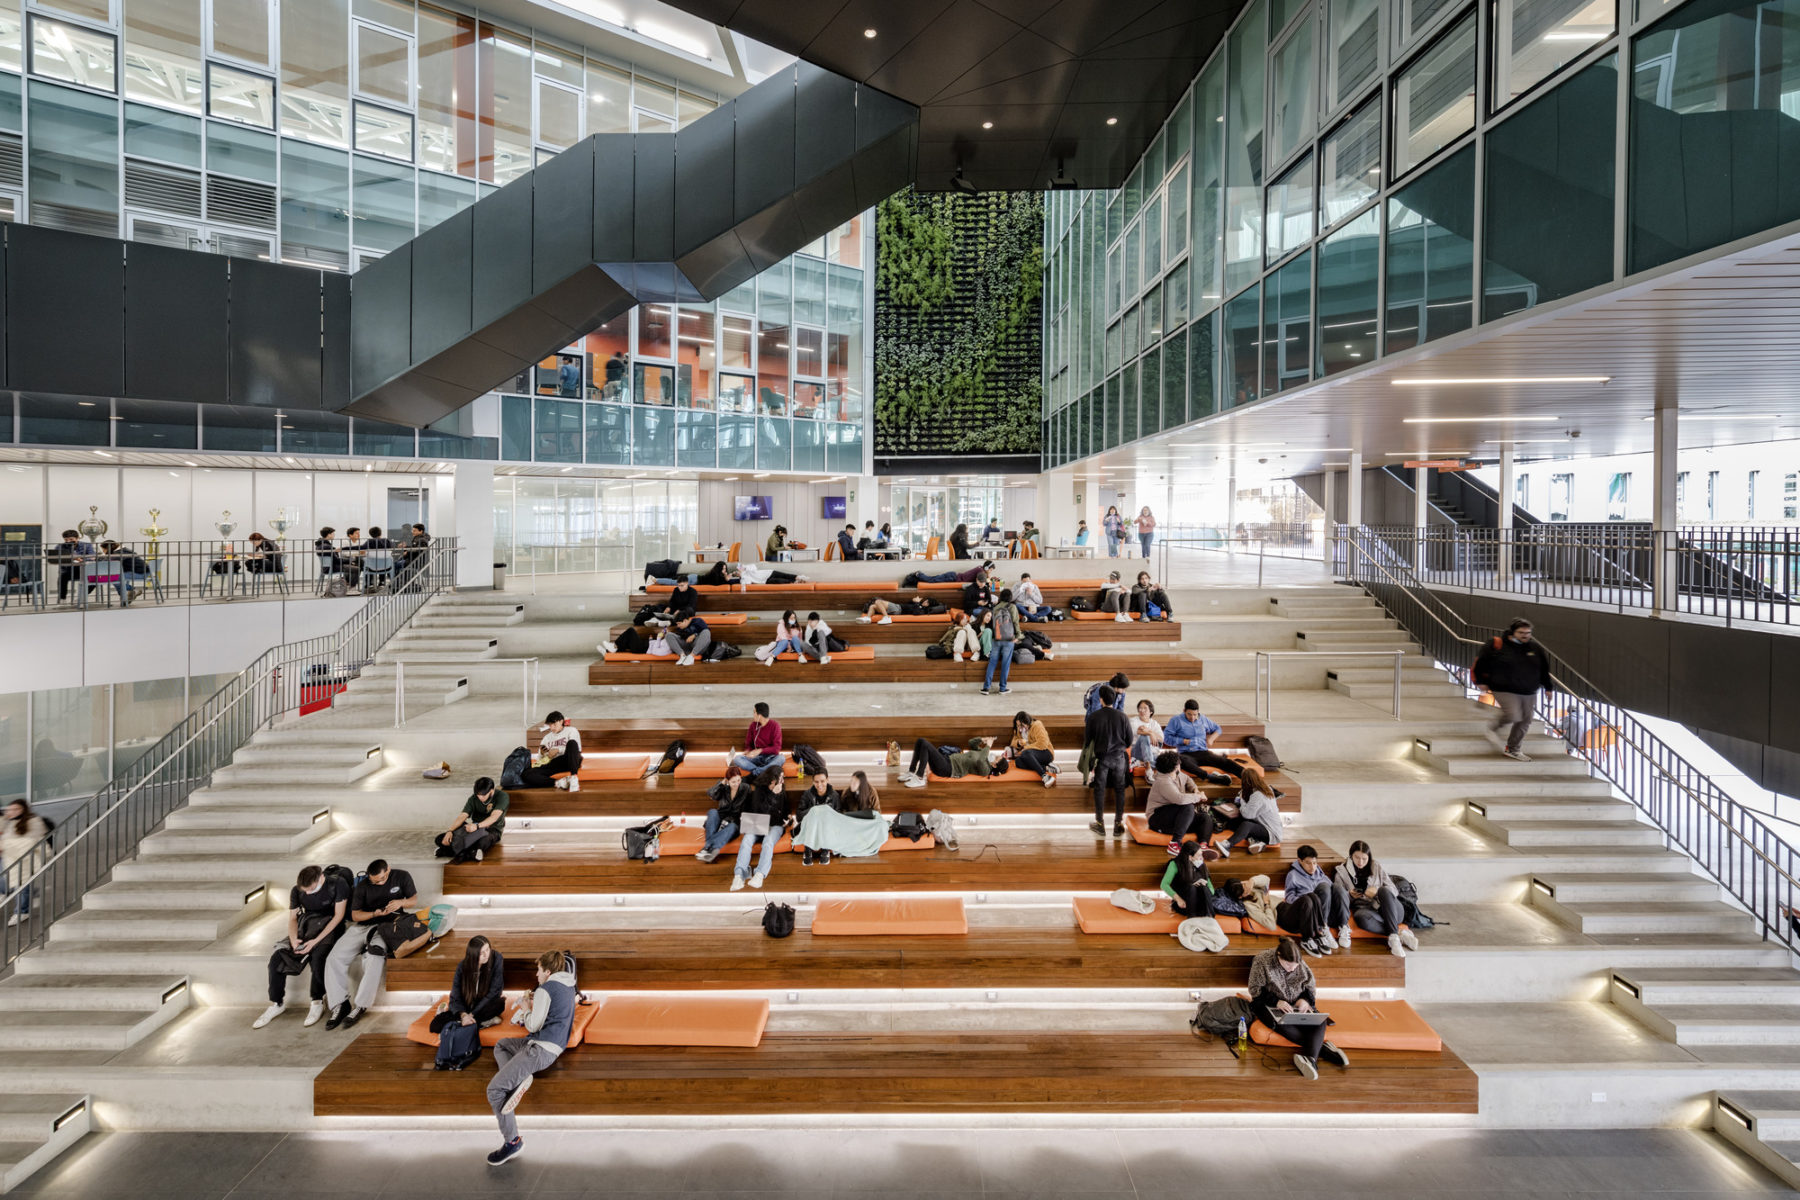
[600, 734]
[925, 633]
[1065, 668]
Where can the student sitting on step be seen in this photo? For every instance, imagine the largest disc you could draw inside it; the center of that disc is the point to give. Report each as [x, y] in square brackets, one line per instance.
[1146, 595]
[762, 742]
[382, 927]
[1313, 908]
[789, 638]
[1030, 599]
[727, 798]
[690, 638]
[1280, 982]
[1175, 805]
[818, 638]
[961, 639]
[558, 754]
[478, 827]
[1146, 734]
[317, 910]
[818, 793]
[1374, 900]
[1253, 819]
[1189, 733]
[844, 824]
[764, 818]
[547, 1020]
[1030, 747]
[1114, 598]
[935, 760]
[477, 1000]
[662, 609]
[1188, 884]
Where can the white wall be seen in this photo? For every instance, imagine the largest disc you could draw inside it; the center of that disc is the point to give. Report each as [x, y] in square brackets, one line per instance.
[1773, 462]
[799, 506]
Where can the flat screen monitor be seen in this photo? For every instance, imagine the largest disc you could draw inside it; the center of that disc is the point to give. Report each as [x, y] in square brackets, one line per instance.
[834, 508]
[753, 508]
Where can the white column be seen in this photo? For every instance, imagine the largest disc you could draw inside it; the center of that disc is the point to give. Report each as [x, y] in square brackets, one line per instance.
[1664, 459]
[1420, 518]
[1353, 505]
[1505, 521]
[473, 522]
[862, 501]
[1231, 491]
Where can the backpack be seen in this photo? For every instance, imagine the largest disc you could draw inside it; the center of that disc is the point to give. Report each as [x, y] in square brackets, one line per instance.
[1023, 654]
[723, 651]
[512, 774]
[1262, 752]
[641, 841]
[1220, 1017]
[910, 580]
[808, 760]
[942, 828]
[662, 568]
[1005, 628]
[936, 651]
[673, 757]
[337, 589]
[343, 874]
[1409, 904]
[1081, 604]
[834, 644]
[909, 825]
[778, 919]
[1036, 640]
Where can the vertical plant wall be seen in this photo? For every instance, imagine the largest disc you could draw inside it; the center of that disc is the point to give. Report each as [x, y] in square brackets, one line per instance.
[958, 328]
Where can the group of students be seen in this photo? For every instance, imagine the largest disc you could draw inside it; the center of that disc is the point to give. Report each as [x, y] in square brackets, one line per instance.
[1145, 598]
[121, 567]
[1118, 527]
[991, 535]
[375, 554]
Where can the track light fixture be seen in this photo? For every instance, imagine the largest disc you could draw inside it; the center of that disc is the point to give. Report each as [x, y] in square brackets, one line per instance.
[961, 184]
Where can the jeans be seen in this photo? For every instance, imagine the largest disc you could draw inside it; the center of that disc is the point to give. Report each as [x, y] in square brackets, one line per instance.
[1381, 915]
[747, 851]
[1002, 657]
[24, 902]
[1037, 761]
[783, 645]
[756, 764]
[1144, 540]
[1112, 545]
[719, 830]
[1143, 749]
[1516, 710]
[518, 1059]
[1040, 612]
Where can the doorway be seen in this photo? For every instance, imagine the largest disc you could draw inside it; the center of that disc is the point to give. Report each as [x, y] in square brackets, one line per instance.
[405, 507]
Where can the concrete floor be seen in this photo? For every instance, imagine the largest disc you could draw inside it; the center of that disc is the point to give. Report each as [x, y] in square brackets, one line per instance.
[1101, 1164]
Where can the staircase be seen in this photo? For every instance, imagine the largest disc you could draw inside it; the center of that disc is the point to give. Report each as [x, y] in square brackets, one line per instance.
[1764, 1125]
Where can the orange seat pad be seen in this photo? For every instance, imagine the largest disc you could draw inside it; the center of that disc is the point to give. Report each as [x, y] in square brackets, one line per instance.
[687, 839]
[732, 618]
[705, 589]
[1098, 616]
[847, 654]
[629, 766]
[908, 916]
[1365, 1025]
[685, 1020]
[1137, 827]
[622, 656]
[1097, 914]
[420, 1030]
[711, 765]
[942, 618]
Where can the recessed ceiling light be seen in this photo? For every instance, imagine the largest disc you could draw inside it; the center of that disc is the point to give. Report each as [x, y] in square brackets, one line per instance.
[1112, 120]
[1504, 379]
[987, 124]
[868, 33]
[1427, 453]
[1470, 420]
[1722, 417]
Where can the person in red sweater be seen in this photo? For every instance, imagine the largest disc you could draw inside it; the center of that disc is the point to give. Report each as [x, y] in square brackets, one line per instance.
[762, 744]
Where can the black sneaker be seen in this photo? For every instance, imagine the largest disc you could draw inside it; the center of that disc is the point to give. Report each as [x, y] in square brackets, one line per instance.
[506, 1153]
[356, 1014]
[824, 858]
[1097, 829]
[985, 692]
[1118, 829]
[806, 856]
[338, 1017]
[1330, 1053]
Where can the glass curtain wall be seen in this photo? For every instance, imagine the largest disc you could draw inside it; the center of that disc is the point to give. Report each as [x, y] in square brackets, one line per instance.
[547, 526]
[1311, 204]
[321, 132]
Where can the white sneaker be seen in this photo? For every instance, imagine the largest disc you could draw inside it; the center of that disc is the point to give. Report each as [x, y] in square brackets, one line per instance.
[904, 776]
[800, 658]
[824, 658]
[1395, 946]
[915, 782]
[268, 1014]
[1344, 937]
[14, 919]
[756, 879]
[865, 620]
[885, 621]
[1517, 755]
[686, 660]
[769, 661]
[315, 1013]
[569, 783]
[480, 854]
[609, 647]
[737, 883]
[1122, 617]
[1409, 939]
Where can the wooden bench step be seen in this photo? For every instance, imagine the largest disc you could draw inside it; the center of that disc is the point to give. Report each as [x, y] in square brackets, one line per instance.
[927, 632]
[653, 734]
[1174, 666]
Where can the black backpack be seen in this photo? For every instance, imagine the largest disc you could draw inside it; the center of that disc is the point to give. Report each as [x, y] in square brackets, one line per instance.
[909, 825]
[1036, 640]
[673, 757]
[808, 760]
[640, 841]
[729, 651]
[778, 919]
[343, 874]
[1220, 1017]
[663, 568]
[936, 651]
[1409, 904]
[512, 774]
[910, 580]
[1081, 604]
[1262, 750]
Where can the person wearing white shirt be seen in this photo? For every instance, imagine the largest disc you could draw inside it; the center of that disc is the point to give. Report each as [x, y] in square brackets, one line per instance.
[559, 754]
[817, 636]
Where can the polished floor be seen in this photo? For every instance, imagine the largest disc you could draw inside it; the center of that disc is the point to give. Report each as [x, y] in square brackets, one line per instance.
[1102, 1164]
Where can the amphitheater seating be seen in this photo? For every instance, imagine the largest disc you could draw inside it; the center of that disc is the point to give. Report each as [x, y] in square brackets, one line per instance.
[420, 1029]
[652, 734]
[688, 839]
[841, 596]
[1173, 666]
[922, 631]
[889, 916]
[1097, 914]
[1366, 1025]
[679, 1020]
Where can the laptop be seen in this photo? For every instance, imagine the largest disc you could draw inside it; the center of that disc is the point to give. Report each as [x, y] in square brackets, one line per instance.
[1304, 1019]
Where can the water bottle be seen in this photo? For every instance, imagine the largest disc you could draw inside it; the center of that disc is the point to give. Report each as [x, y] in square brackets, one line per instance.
[1243, 1038]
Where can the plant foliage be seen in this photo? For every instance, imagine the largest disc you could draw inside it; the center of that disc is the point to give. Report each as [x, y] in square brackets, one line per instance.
[958, 328]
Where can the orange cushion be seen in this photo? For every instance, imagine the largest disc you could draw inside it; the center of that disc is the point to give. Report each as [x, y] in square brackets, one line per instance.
[953, 586]
[1097, 616]
[619, 656]
[420, 1030]
[628, 766]
[705, 589]
[1097, 914]
[782, 587]
[713, 618]
[899, 843]
[686, 1020]
[687, 839]
[847, 654]
[712, 765]
[898, 915]
[942, 618]
[1365, 1025]
[1137, 827]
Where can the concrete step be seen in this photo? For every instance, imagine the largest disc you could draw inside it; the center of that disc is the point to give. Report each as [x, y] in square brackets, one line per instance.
[1774, 1116]
[126, 894]
[1571, 833]
[1313, 637]
[62, 992]
[356, 757]
[246, 816]
[1501, 809]
[508, 612]
[1493, 763]
[1739, 1118]
[1726, 1025]
[251, 774]
[1642, 916]
[1707, 985]
[1473, 744]
[35, 1128]
[199, 925]
[86, 1029]
[1592, 887]
[232, 842]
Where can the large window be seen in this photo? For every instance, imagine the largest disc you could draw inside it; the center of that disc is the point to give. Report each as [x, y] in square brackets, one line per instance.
[1349, 270]
[73, 54]
[315, 205]
[1243, 336]
[1430, 260]
[1434, 97]
[74, 155]
[315, 71]
[162, 53]
[1532, 38]
[1293, 104]
[1350, 164]
[1287, 340]
[1244, 149]
[1290, 216]
[1353, 47]
[1209, 183]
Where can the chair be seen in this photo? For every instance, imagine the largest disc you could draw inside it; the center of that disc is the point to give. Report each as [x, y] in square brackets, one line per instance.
[1031, 548]
[329, 565]
[31, 592]
[737, 548]
[1602, 737]
[831, 551]
[378, 564]
[931, 548]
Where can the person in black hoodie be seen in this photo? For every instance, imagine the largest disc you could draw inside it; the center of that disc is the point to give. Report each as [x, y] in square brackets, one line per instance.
[1108, 731]
[728, 797]
[765, 817]
[959, 542]
[1514, 669]
[818, 791]
[477, 999]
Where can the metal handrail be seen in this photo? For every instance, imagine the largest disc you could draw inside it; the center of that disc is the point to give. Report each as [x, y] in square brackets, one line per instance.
[291, 677]
[1265, 707]
[530, 675]
[1220, 545]
[1776, 925]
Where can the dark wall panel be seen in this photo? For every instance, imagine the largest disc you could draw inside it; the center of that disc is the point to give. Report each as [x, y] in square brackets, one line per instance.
[1719, 679]
[824, 122]
[614, 187]
[703, 171]
[65, 297]
[275, 335]
[1784, 695]
[443, 282]
[502, 254]
[562, 221]
[653, 202]
[765, 146]
[381, 335]
[1632, 655]
[175, 322]
[336, 378]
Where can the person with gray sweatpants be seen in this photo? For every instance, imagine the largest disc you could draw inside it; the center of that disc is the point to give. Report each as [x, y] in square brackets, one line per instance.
[1513, 669]
[375, 902]
[691, 636]
[548, 1021]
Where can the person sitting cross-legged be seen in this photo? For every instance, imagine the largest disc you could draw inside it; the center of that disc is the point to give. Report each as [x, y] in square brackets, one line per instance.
[478, 827]
[1175, 805]
[1280, 983]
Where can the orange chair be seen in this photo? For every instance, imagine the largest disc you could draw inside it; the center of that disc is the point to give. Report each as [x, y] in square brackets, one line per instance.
[931, 547]
[1031, 548]
[1604, 737]
[831, 551]
[736, 549]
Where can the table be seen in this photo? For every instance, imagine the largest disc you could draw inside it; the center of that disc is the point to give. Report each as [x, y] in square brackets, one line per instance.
[713, 554]
[1069, 551]
[882, 552]
[790, 555]
[987, 551]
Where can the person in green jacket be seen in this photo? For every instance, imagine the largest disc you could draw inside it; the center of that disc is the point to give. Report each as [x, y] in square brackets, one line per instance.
[1188, 884]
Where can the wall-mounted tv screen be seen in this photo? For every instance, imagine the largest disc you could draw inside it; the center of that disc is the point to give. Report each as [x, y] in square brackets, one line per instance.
[753, 508]
[834, 508]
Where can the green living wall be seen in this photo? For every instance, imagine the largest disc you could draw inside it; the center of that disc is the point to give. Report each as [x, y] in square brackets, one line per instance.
[958, 329]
